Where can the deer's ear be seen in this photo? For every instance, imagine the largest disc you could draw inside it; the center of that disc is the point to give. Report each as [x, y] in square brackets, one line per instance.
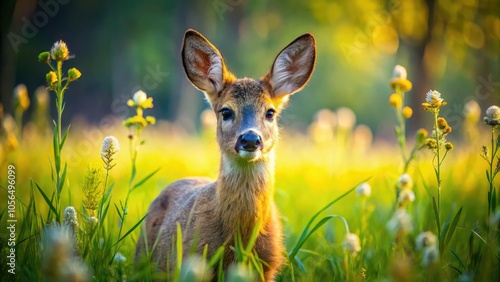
[204, 64]
[293, 66]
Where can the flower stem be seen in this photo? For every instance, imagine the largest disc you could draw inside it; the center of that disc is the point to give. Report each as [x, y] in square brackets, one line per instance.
[402, 126]
[437, 167]
[490, 180]
[58, 137]
[135, 142]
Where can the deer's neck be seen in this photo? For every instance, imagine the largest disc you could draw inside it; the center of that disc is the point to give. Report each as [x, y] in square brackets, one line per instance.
[245, 193]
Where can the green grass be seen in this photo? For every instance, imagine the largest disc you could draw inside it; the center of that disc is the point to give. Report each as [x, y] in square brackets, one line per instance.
[309, 176]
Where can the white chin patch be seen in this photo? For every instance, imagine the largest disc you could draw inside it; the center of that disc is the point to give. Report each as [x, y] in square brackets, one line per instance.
[251, 156]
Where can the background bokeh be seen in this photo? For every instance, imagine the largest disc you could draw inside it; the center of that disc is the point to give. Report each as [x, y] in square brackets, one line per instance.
[122, 46]
[338, 132]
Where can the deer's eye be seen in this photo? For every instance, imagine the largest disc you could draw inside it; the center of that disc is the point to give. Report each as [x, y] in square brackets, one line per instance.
[227, 114]
[270, 114]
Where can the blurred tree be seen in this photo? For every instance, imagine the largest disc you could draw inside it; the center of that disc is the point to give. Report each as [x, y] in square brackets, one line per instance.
[122, 46]
[446, 34]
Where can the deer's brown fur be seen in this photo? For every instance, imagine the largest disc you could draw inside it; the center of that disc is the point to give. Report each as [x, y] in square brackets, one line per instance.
[211, 212]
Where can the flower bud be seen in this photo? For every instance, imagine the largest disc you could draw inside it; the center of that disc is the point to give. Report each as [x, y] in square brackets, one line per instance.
[399, 72]
[448, 146]
[74, 74]
[425, 240]
[407, 112]
[399, 79]
[20, 98]
[364, 190]
[421, 135]
[442, 124]
[150, 120]
[405, 181]
[51, 78]
[44, 57]
[395, 100]
[431, 143]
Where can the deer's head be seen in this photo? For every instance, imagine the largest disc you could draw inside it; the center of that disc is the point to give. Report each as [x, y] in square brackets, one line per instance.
[247, 109]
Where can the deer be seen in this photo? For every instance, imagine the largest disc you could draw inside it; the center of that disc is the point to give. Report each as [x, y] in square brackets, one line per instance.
[242, 197]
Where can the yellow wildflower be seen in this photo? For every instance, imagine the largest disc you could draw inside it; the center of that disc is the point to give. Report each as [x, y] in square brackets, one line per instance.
[407, 112]
[73, 74]
[431, 143]
[395, 101]
[421, 135]
[20, 98]
[140, 100]
[448, 146]
[51, 78]
[399, 79]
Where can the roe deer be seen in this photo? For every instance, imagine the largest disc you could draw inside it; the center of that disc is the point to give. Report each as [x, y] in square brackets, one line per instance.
[211, 212]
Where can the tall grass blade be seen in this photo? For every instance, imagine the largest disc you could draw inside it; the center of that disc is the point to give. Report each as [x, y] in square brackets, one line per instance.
[300, 264]
[63, 178]
[118, 211]
[305, 233]
[253, 237]
[49, 202]
[218, 255]
[142, 181]
[436, 217]
[130, 230]
[178, 264]
[453, 226]
[65, 136]
[458, 259]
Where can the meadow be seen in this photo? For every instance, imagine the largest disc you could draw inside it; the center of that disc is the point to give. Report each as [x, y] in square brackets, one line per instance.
[325, 169]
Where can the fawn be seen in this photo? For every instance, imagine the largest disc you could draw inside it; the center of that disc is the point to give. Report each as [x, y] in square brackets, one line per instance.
[210, 213]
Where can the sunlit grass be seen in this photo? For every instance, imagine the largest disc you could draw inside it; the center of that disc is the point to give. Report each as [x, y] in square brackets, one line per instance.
[89, 229]
[309, 175]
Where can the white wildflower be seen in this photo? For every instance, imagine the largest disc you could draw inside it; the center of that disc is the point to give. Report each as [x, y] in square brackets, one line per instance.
[400, 222]
[119, 258]
[139, 97]
[351, 244]
[472, 111]
[399, 72]
[425, 240]
[364, 190]
[430, 256]
[59, 51]
[405, 181]
[492, 116]
[240, 272]
[70, 217]
[346, 118]
[433, 95]
[110, 144]
[195, 268]
[406, 196]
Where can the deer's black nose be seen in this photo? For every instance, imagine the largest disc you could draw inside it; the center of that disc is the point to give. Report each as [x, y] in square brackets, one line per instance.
[249, 141]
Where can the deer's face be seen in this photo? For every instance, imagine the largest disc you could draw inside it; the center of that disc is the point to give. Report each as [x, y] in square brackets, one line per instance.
[247, 119]
[247, 109]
